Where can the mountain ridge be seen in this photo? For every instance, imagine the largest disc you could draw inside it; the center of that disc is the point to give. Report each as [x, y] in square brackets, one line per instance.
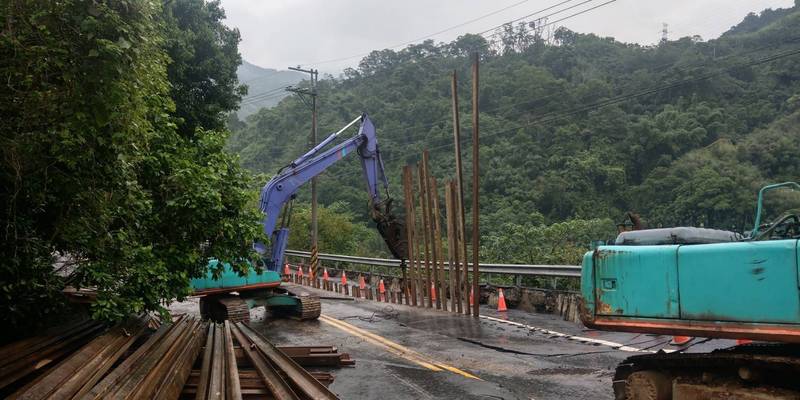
[263, 86]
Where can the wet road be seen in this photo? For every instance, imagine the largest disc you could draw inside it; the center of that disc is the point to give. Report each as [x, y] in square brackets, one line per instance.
[403, 352]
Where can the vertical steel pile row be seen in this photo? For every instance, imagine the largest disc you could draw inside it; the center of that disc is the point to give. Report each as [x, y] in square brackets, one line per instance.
[433, 278]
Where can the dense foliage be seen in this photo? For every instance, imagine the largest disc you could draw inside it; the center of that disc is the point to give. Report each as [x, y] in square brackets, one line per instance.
[204, 57]
[336, 229]
[575, 128]
[104, 181]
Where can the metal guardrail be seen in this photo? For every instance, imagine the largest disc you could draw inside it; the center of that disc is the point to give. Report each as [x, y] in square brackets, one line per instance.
[571, 271]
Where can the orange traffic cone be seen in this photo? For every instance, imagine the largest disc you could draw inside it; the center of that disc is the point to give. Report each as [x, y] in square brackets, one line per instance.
[362, 286]
[382, 290]
[501, 301]
[433, 292]
[300, 271]
[325, 276]
[680, 340]
[743, 341]
[286, 269]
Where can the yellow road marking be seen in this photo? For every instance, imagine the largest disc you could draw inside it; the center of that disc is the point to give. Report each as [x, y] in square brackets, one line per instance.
[394, 348]
[401, 354]
[458, 371]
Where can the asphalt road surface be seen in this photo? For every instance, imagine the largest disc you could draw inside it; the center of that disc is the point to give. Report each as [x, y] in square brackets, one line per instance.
[404, 352]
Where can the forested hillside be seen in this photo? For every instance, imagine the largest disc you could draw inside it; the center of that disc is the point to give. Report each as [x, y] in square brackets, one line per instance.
[576, 129]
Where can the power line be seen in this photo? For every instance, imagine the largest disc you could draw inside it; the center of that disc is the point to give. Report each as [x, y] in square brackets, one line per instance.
[260, 77]
[258, 102]
[264, 93]
[534, 100]
[463, 24]
[578, 13]
[265, 99]
[437, 33]
[538, 12]
[551, 117]
[487, 44]
[263, 96]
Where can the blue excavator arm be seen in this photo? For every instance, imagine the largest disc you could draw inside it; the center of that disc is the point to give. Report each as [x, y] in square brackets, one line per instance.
[282, 188]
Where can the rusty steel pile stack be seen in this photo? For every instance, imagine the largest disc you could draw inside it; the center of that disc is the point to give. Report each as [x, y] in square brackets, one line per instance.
[145, 359]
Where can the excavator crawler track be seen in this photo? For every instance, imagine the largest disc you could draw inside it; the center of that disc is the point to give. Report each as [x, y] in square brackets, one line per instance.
[221, 308]
[308, 308]
[743, 372]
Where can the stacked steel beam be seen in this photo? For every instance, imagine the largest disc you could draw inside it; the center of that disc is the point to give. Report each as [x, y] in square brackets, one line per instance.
[219, 373]
[25, 358]
[143, 359]
[159, 367]
[282, 376]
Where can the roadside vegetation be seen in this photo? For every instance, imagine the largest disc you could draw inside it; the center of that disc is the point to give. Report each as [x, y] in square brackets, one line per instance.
[114, 173]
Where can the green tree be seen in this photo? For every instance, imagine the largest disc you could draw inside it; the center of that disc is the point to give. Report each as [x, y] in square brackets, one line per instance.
[562, 243]
[337, 232]
[99, 188]
[204, 56]
[707, 187]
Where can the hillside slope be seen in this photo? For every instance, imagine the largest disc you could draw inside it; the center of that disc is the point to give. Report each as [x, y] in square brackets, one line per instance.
[263, 87]
[576, 127]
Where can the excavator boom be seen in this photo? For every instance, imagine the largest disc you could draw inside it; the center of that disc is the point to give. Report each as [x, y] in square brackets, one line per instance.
[282, 188]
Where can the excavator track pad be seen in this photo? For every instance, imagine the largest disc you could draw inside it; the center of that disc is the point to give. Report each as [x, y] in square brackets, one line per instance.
[221, 308]
[308, 308]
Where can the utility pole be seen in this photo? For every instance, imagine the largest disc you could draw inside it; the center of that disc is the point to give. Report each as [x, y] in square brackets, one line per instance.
[311, 92]
[475, 180]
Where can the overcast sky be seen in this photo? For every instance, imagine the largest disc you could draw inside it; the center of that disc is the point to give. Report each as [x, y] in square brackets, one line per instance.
[280, 33]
